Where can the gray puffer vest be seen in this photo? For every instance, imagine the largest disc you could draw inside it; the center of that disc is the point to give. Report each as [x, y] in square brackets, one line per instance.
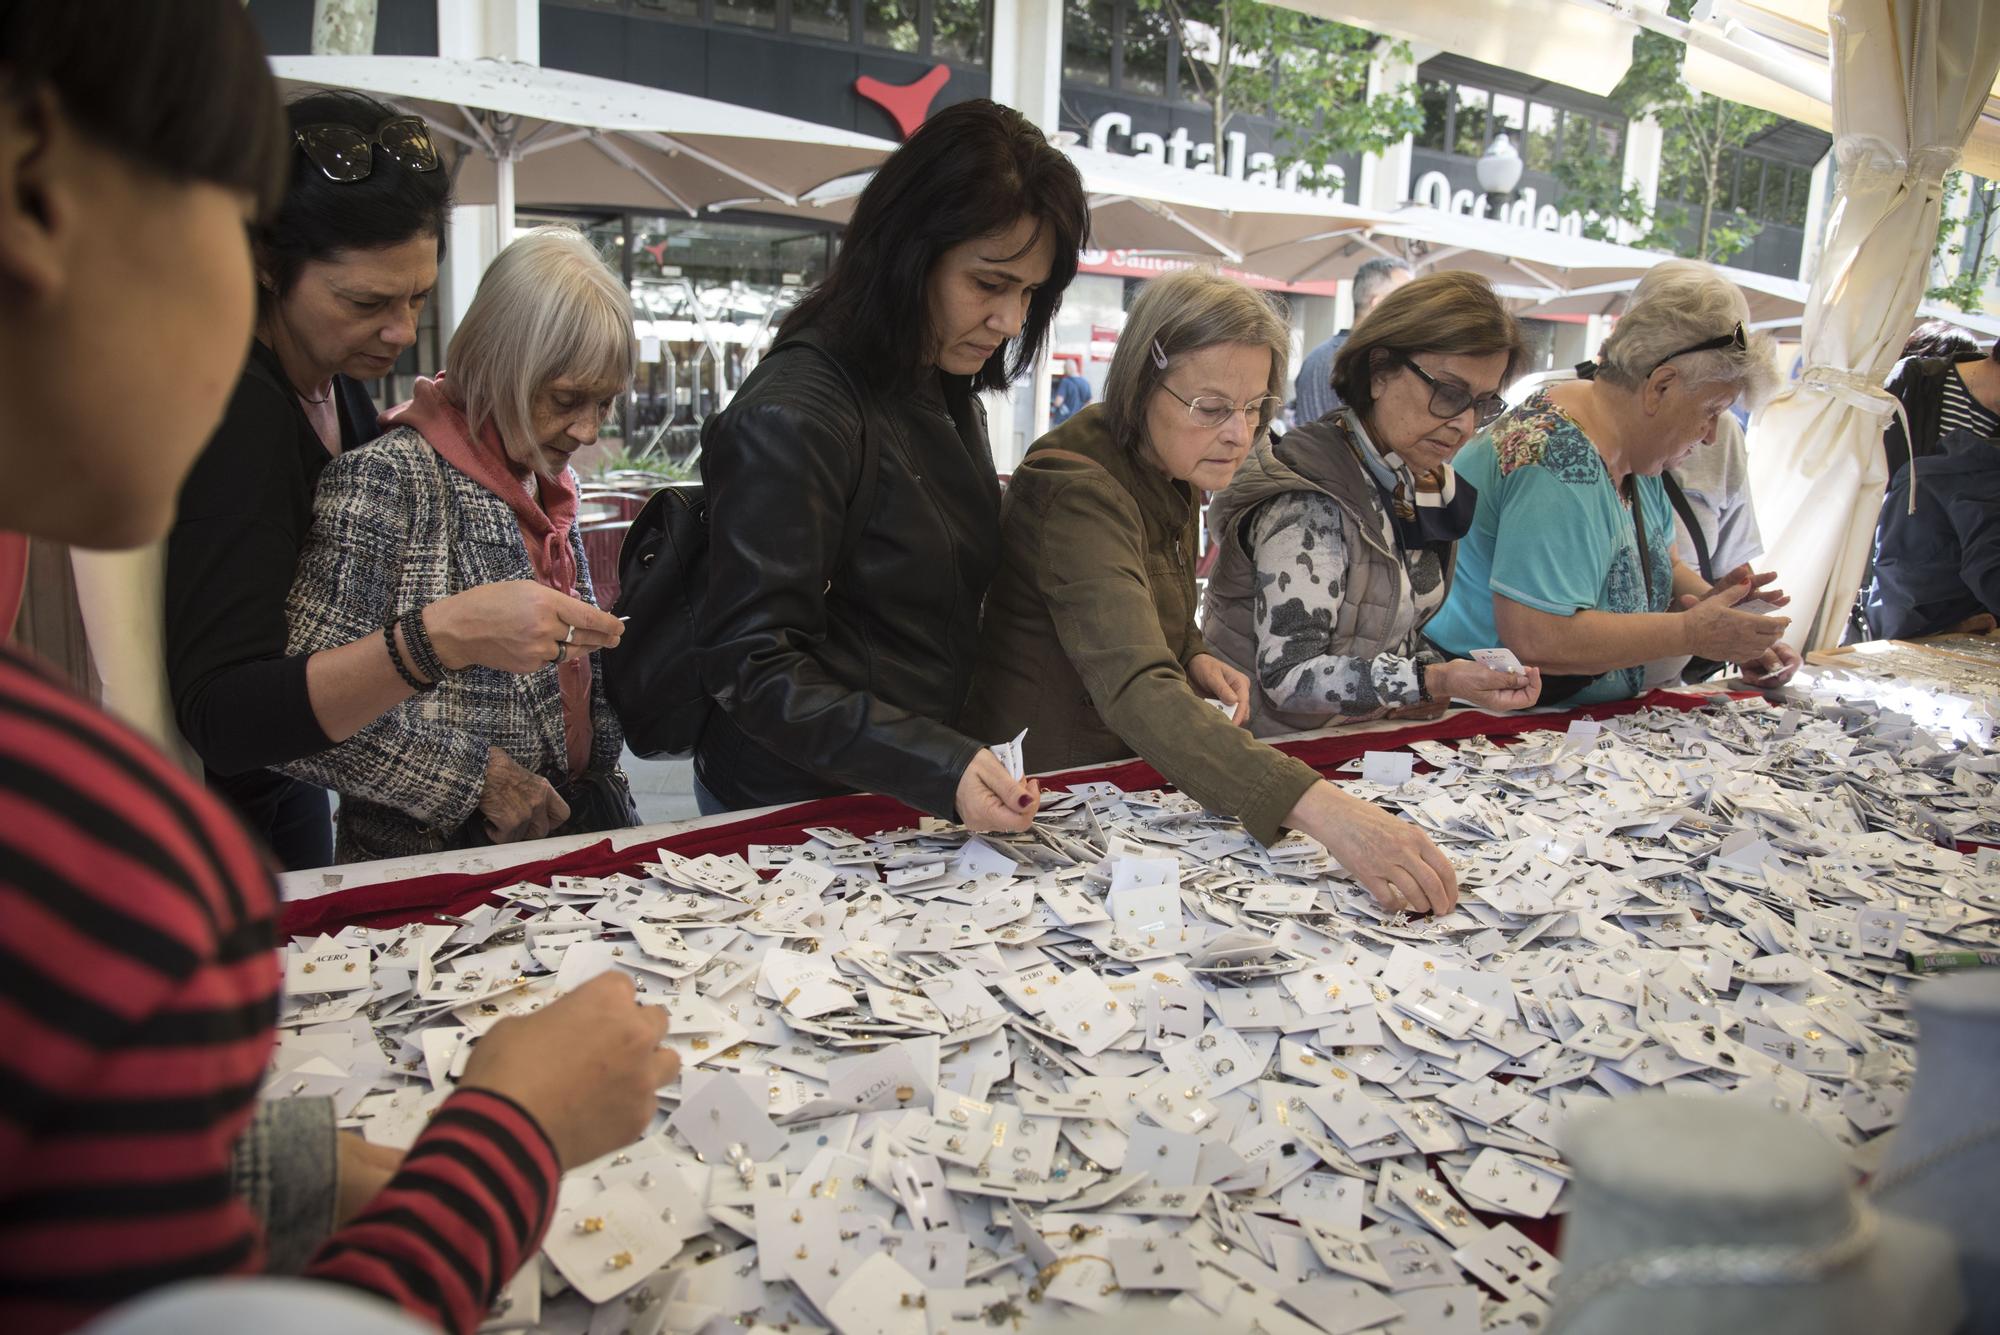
[1378, 612]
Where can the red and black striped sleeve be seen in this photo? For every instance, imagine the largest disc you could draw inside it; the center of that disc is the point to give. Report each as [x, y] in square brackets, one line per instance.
[466, 1210]
[138, 988]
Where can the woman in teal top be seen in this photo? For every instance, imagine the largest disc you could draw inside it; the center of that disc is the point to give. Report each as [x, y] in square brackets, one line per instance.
[1569, 562]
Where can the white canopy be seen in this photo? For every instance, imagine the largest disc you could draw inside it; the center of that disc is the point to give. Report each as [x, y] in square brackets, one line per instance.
[1909, 82]
[1588, 50]
[1790, 70]
[548, 136]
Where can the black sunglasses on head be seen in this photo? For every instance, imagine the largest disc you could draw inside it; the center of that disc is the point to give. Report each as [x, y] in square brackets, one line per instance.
[1735, 340]
[346, 154]
[1449, 400]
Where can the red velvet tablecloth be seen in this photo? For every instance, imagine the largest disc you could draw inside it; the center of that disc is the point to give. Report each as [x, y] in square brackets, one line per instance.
[395, 902]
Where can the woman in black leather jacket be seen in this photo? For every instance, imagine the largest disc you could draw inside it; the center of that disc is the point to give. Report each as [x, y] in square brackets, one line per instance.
[840, 662]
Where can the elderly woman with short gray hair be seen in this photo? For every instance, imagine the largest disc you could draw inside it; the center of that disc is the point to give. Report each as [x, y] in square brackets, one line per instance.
[1089, 638]
[471, 487]
[1570, 559]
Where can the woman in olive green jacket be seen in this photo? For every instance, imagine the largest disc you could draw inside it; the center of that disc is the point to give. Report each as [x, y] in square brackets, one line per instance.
[1089, 639]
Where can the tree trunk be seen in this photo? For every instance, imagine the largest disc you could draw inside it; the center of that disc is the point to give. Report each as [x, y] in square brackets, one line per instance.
[343, 28]
[1218, 106]
[1711, 168]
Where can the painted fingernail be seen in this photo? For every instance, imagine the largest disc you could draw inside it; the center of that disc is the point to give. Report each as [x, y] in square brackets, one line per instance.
[1025, 799]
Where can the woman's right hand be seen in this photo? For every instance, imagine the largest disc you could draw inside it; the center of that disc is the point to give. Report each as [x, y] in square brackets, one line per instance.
[517, 804]
[990, 800]
[1716, 630]
[1392, 858]
[585, 1066]
[1484, 687]
[515, 626]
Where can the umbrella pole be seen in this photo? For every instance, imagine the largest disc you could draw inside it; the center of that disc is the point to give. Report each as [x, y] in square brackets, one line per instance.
[503, 201]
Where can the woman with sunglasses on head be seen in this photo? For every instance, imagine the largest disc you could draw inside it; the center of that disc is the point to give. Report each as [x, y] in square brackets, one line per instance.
[1570, 559]
[1089, 639]
[1337, 540]
[344, 269]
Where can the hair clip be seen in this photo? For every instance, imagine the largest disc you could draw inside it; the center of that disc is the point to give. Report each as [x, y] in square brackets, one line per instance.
[1159, 355]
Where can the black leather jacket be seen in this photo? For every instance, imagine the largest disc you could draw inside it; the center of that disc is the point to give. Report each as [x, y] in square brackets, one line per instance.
[839, 680]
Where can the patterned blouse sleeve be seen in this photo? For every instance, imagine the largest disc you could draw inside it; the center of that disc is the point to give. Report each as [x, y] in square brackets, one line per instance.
[1301, 580]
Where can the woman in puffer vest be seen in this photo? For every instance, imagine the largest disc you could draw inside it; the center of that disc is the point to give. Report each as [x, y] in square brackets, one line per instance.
[1337, 537]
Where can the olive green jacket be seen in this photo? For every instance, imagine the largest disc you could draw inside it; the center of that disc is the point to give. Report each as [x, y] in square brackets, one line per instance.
[1089, 628]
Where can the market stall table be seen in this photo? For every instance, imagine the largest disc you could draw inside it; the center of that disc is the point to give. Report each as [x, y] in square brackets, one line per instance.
[935, 1083]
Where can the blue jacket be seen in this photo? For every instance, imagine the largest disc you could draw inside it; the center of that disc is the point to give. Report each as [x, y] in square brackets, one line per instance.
[1940, 565]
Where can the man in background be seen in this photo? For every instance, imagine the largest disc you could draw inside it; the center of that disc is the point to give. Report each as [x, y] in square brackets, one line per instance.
[1312, 392]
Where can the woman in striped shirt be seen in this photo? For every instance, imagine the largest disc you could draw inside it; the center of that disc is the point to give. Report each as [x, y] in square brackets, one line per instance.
[138, 984]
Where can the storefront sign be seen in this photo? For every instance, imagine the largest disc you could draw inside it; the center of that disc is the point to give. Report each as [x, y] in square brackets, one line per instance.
[1433, 190]
[1238, 163]
[1145, 264]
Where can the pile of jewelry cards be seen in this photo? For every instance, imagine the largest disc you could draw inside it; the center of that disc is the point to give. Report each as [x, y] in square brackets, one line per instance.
[934, 1082]
[1939, 692]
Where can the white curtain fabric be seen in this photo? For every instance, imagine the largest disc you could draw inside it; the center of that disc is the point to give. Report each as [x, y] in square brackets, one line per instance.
[1909, 80]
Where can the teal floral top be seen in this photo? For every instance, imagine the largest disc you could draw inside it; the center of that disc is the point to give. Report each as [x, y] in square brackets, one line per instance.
[1552, 533]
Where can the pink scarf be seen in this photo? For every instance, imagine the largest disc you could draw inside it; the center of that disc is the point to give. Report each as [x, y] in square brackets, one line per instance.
[544, 507]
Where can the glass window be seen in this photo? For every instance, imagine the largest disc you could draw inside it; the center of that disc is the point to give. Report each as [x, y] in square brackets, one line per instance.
[1469, 139]
[1540, 149]
[1611, 140]
[1728, 165]
[1434, 96]
[1087, 42]
[958, 31]
[1798, 197]
[1509, 115]
[1148, 35]
[889, 23]
[748, 13]
[831, 19]
[673, 9]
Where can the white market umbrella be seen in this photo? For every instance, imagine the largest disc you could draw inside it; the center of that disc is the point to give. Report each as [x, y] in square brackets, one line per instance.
[1140, 205]
[1909, 81]
[551, 137]
[1775, 302]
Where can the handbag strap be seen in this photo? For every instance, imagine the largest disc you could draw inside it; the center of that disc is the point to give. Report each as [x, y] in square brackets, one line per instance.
[1686, 513]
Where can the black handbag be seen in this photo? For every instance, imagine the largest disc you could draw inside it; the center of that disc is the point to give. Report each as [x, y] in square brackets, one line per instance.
[653, 678]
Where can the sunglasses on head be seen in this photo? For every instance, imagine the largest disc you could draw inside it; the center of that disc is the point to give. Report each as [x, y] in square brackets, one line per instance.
[344, 153]
[1735, 340]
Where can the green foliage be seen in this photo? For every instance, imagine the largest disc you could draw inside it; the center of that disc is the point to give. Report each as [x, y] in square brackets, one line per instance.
[1969, 246]
[1309, 74]
[1697, 132]
[650, 464]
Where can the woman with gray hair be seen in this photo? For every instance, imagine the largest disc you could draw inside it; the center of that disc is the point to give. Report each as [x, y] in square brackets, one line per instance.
[1089, 640]
[472, 487]
[1569, 562]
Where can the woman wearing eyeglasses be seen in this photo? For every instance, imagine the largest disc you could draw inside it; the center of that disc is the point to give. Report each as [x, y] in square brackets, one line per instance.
[1570, 558]
[344, 269]
[1337, 540]
[1089, 639]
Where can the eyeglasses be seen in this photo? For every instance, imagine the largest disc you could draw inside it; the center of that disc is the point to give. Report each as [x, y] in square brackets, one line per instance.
[1210, 412]
[346, 154]
[1735, 340]
[1449, 401]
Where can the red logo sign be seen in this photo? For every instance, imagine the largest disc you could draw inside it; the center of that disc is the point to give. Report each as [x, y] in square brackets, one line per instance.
[909, 104]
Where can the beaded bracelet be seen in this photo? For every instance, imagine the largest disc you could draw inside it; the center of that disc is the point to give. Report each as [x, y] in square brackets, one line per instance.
[396, 657]
[423, 654]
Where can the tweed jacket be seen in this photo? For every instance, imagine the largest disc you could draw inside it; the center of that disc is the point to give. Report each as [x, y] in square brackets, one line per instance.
[394, 528]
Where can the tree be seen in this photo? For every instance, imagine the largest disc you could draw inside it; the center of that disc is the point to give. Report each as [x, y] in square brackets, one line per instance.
[1698, 133]
[1969, 241]
[343, 27]
[1308, 74]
